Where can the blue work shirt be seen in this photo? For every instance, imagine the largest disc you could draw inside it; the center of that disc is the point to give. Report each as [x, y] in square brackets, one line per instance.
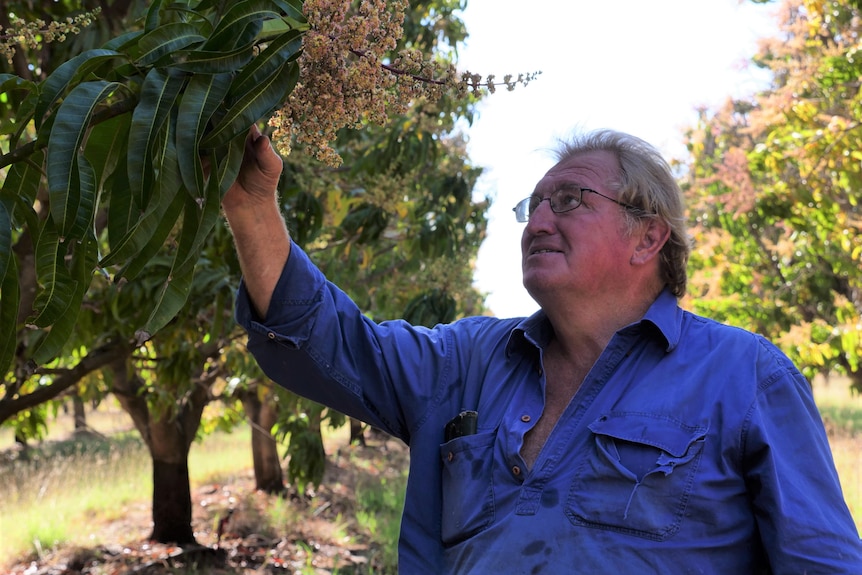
[690, 447]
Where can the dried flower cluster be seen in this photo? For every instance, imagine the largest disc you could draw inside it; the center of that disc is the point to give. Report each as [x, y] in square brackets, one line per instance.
[33, 34]
[346, 79]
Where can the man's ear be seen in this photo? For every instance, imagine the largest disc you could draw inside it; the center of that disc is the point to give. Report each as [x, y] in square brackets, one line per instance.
[654, 233]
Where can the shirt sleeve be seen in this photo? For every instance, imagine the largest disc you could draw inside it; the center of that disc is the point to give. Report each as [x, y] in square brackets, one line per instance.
[804, 522]
[317, 343]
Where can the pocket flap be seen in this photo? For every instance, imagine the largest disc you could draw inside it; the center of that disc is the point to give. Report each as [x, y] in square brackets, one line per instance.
[660, 431]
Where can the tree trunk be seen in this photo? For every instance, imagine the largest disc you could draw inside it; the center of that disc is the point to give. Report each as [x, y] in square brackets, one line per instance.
[172, 501]
[80, 414]
[357, 432]
[262, 415]
[169, 440]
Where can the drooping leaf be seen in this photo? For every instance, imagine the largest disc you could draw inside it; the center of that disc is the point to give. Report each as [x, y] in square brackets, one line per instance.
[67, 135]
[284, 48]
[153, 229]
[20, 189]
[5, 240]
[152, 20]
[158, 96]
[164, 40]
[171, 298]
[199, 218]
[212, 62]
[106, 146]
[59, 80]
[82, 264]
[271, 93]
[10, 298]
[292, 8]
[58, 286]
[202, 97]
[234, 22]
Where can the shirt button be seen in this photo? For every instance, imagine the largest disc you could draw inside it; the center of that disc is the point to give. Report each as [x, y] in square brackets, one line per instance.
[450, 456]
[525, 418]
[271, 335]
[516, 470]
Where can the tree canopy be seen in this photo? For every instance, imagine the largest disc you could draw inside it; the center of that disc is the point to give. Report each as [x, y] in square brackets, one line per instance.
[775, 185]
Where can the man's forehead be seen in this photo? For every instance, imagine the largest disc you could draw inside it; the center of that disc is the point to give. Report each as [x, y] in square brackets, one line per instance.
[593, 169]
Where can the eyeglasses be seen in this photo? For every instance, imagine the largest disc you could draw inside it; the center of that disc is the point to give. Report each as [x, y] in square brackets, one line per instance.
[562, 200]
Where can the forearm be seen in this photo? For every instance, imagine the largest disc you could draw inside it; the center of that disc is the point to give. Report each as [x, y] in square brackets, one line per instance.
[263, 246]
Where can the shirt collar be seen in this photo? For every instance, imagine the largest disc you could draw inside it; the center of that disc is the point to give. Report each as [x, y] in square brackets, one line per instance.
[664, 316]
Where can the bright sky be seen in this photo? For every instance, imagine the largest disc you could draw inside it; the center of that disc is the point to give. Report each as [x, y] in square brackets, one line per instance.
[631, 65]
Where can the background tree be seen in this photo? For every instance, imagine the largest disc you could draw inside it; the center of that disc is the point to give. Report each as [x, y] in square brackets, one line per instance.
[114, 255]
[775, 183]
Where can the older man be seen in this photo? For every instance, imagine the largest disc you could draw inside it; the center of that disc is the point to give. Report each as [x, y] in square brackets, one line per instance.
[611, 432]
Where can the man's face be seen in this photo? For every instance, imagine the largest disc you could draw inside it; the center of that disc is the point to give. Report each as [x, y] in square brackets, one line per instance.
[583, 253]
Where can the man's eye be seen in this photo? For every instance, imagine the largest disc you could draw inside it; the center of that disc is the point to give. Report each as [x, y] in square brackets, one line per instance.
[568, 198]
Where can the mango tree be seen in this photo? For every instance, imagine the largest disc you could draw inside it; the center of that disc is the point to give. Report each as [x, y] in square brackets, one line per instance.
[775, 183]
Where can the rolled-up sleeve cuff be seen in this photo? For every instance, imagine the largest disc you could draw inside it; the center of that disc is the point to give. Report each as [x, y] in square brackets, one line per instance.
[294, 302]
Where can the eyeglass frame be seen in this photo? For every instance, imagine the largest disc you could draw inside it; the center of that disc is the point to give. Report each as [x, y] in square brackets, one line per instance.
[526, 202]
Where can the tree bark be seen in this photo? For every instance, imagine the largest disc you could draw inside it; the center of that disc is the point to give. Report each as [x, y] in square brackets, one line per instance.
[262, 415]
[80, 413]
[169, 438]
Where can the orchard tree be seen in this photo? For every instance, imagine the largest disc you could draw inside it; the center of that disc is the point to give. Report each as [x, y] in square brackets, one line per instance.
[111, 242]
[776, 186]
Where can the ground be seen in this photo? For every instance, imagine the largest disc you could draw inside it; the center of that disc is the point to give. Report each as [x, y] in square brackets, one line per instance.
[318, 533]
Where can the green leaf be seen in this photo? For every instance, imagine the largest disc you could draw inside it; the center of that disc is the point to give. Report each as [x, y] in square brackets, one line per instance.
[200, 216]
[207, 62]
[271, 93]
[159, 94]
[5, 240]
[284, 48]
[165, 40]
[150, 233]
[21, 186]
[83, 262]
[229, 161]
[64, 183]
[56, 83]
[233, 24]
[203, 95]
[57, 285]
[152, 20]
[172, 296]
[106, 147]
[10, 298]
[292, 8]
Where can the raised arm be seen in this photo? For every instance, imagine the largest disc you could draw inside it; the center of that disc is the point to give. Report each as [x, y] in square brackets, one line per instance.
[259, 232]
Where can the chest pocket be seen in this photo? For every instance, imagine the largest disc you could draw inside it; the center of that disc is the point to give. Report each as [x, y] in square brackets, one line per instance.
[637, 476]
[468, 494]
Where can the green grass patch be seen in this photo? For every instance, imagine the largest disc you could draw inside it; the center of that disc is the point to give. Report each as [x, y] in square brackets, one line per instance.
[51, 498]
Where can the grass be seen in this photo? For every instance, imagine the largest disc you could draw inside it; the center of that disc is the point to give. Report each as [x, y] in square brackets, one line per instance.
[842, 414]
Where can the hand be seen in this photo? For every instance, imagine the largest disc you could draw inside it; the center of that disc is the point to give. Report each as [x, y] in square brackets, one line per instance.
[257, 180]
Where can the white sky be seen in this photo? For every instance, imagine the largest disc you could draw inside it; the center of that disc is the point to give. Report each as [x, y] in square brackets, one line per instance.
[632, 65]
